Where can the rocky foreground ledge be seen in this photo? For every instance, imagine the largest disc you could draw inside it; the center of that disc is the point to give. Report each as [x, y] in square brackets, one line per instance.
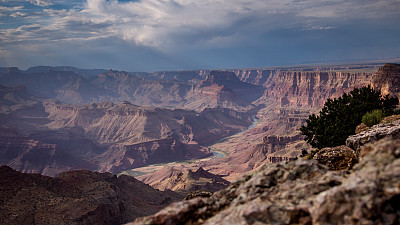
[76, 198]
[302, 192]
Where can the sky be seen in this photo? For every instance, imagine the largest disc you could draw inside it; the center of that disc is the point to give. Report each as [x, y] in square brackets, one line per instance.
[154, 35]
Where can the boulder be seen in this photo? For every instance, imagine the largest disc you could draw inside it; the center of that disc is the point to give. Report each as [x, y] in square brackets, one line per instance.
[372, 135]
[337, 158]
[362, 127]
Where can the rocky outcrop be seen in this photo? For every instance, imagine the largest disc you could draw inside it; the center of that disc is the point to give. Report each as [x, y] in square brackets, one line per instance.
[387, 79]
[225, 90]
[76, 197]
[272, 144]
[184, 180]
[301, 192]
[201, 193]
[362, 127]
[374, 134]
[337, 158]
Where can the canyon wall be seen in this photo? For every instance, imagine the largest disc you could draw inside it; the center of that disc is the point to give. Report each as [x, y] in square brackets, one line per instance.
[303, 88]
[193, 89]
[387, 79]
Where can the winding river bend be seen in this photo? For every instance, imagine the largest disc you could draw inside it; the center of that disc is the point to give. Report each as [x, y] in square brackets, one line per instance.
[216, 154]
[219, 154]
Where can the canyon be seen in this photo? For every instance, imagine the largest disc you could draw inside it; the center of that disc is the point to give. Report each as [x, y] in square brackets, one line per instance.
[164, 127]
[43, 136]
[111, 121]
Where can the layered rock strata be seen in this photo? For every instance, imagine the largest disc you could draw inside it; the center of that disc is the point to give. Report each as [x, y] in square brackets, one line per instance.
[387, 79]
[304, 88]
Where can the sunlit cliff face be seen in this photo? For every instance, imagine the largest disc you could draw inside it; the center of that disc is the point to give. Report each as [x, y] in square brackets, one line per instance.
[387, 79]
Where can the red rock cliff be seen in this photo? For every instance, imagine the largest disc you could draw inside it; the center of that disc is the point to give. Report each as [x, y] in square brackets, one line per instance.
[304, 88]
[387, 79]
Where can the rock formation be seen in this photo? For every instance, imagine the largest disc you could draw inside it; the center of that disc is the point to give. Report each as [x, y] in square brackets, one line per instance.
[184, 180]
[311, 89]
[337, 158]
[303, 88]
[76, 197]
[377, 132]
[201, 193]
[301, 192]
[387, 79]
[223, 89]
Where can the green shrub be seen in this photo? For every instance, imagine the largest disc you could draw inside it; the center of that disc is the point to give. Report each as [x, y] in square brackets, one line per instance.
[339, 117]
[372, 118]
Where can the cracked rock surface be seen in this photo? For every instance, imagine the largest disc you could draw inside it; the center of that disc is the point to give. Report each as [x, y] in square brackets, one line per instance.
[373, 134]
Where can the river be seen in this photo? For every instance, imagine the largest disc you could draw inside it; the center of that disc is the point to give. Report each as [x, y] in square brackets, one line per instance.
[255, 122]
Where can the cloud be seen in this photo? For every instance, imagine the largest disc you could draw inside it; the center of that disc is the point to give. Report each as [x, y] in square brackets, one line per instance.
[178, 27]
[18, 14]
[11, 9]
[55, 12]
[161, 23]
[41, 3]
[320, 28]
[172, 23]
